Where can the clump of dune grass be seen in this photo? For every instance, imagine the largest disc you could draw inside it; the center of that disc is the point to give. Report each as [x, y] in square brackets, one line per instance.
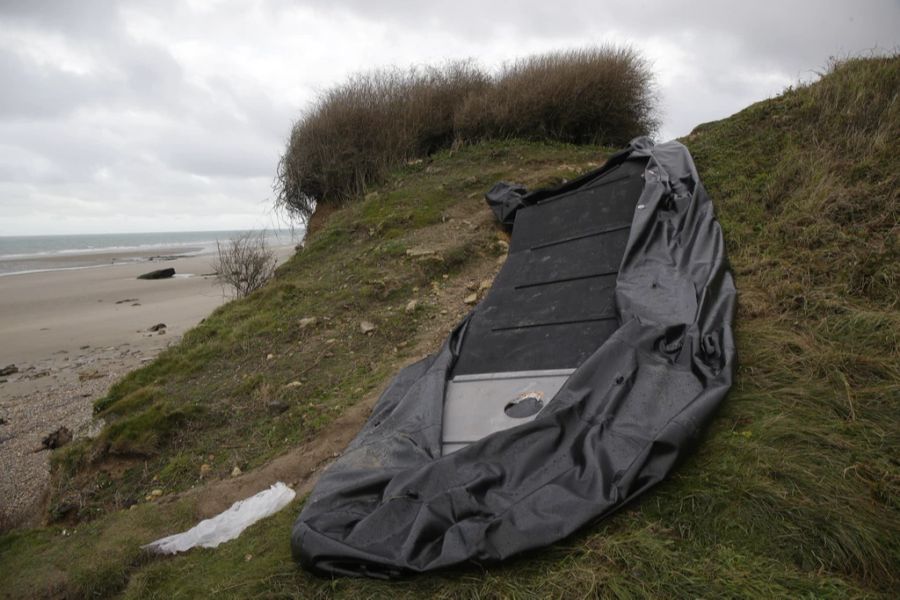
[358, 131]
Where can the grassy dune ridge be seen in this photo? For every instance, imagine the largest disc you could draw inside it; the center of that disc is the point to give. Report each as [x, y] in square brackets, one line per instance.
[794, 491]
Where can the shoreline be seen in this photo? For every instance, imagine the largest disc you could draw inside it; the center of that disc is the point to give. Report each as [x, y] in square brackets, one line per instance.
[71, 334]
[97, 259]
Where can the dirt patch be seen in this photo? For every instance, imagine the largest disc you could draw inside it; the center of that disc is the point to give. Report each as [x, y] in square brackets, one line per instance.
[318, 219]
[299, 468]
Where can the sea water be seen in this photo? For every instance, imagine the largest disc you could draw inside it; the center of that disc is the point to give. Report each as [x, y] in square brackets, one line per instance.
[22, 254]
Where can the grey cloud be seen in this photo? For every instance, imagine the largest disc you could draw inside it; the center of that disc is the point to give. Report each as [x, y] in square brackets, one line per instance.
[84, 18]
[32, 92]
[223, 154]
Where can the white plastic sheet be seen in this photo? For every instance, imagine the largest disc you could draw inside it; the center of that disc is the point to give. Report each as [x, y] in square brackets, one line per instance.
[227, 525]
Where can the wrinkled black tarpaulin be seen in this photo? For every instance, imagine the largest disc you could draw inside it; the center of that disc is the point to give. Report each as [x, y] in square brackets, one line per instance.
[391, 504]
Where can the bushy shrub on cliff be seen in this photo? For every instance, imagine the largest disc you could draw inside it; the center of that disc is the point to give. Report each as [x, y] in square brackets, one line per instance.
[584, 97]
[357, 131]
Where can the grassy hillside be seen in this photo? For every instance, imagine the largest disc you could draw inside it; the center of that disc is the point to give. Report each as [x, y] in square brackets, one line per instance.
[794, 492]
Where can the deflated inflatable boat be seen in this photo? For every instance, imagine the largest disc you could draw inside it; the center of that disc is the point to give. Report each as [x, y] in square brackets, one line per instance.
[597, 357]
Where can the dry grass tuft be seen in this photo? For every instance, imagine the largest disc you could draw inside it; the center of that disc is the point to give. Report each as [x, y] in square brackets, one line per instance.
[244, 263]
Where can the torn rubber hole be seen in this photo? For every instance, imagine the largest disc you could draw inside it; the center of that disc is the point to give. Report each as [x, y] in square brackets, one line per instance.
[526, 405]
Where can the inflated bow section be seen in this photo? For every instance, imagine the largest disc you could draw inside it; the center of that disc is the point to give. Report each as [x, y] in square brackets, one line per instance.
[601, 351]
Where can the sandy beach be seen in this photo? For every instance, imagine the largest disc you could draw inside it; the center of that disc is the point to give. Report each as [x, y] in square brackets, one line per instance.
[71, 334]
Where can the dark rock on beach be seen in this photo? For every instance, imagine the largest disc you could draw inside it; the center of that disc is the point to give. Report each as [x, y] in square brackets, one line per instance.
[9, 370]
[158, 274]
[157, 327]
[57, 439]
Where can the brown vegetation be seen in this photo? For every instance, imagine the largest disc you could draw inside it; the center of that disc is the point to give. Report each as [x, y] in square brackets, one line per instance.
[244, 263]
[358, 131]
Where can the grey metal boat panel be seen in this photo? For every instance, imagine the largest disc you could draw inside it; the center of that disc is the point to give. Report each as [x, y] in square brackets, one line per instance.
[476, 406]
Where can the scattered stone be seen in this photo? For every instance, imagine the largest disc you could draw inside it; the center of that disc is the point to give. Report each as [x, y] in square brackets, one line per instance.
[330, 341]
[276, 407]
[308, 322]
[85, 347]
[236, 471]
[126, 300]
[503, 245]
[204, 470]
[157, 327]
[158, 274]
[471, 298]
[63, 510]
[366, 327]
[270, 356]
[9, 370]
[412, 305]
[57, 439]
[418, 252]
[91, 374]
[484, 286]
[292, 384]
[248, 557]
[156, 493]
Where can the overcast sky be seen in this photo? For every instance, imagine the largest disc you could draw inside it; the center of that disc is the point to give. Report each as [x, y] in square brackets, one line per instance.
[158, 116]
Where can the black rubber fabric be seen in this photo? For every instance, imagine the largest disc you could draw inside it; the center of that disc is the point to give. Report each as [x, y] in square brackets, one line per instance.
[646, 383]
[553, 302]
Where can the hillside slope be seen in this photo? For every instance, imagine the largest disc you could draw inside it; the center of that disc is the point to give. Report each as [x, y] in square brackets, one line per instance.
[795, 491]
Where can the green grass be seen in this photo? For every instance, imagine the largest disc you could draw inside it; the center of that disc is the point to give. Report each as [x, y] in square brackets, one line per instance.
[793, 492]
